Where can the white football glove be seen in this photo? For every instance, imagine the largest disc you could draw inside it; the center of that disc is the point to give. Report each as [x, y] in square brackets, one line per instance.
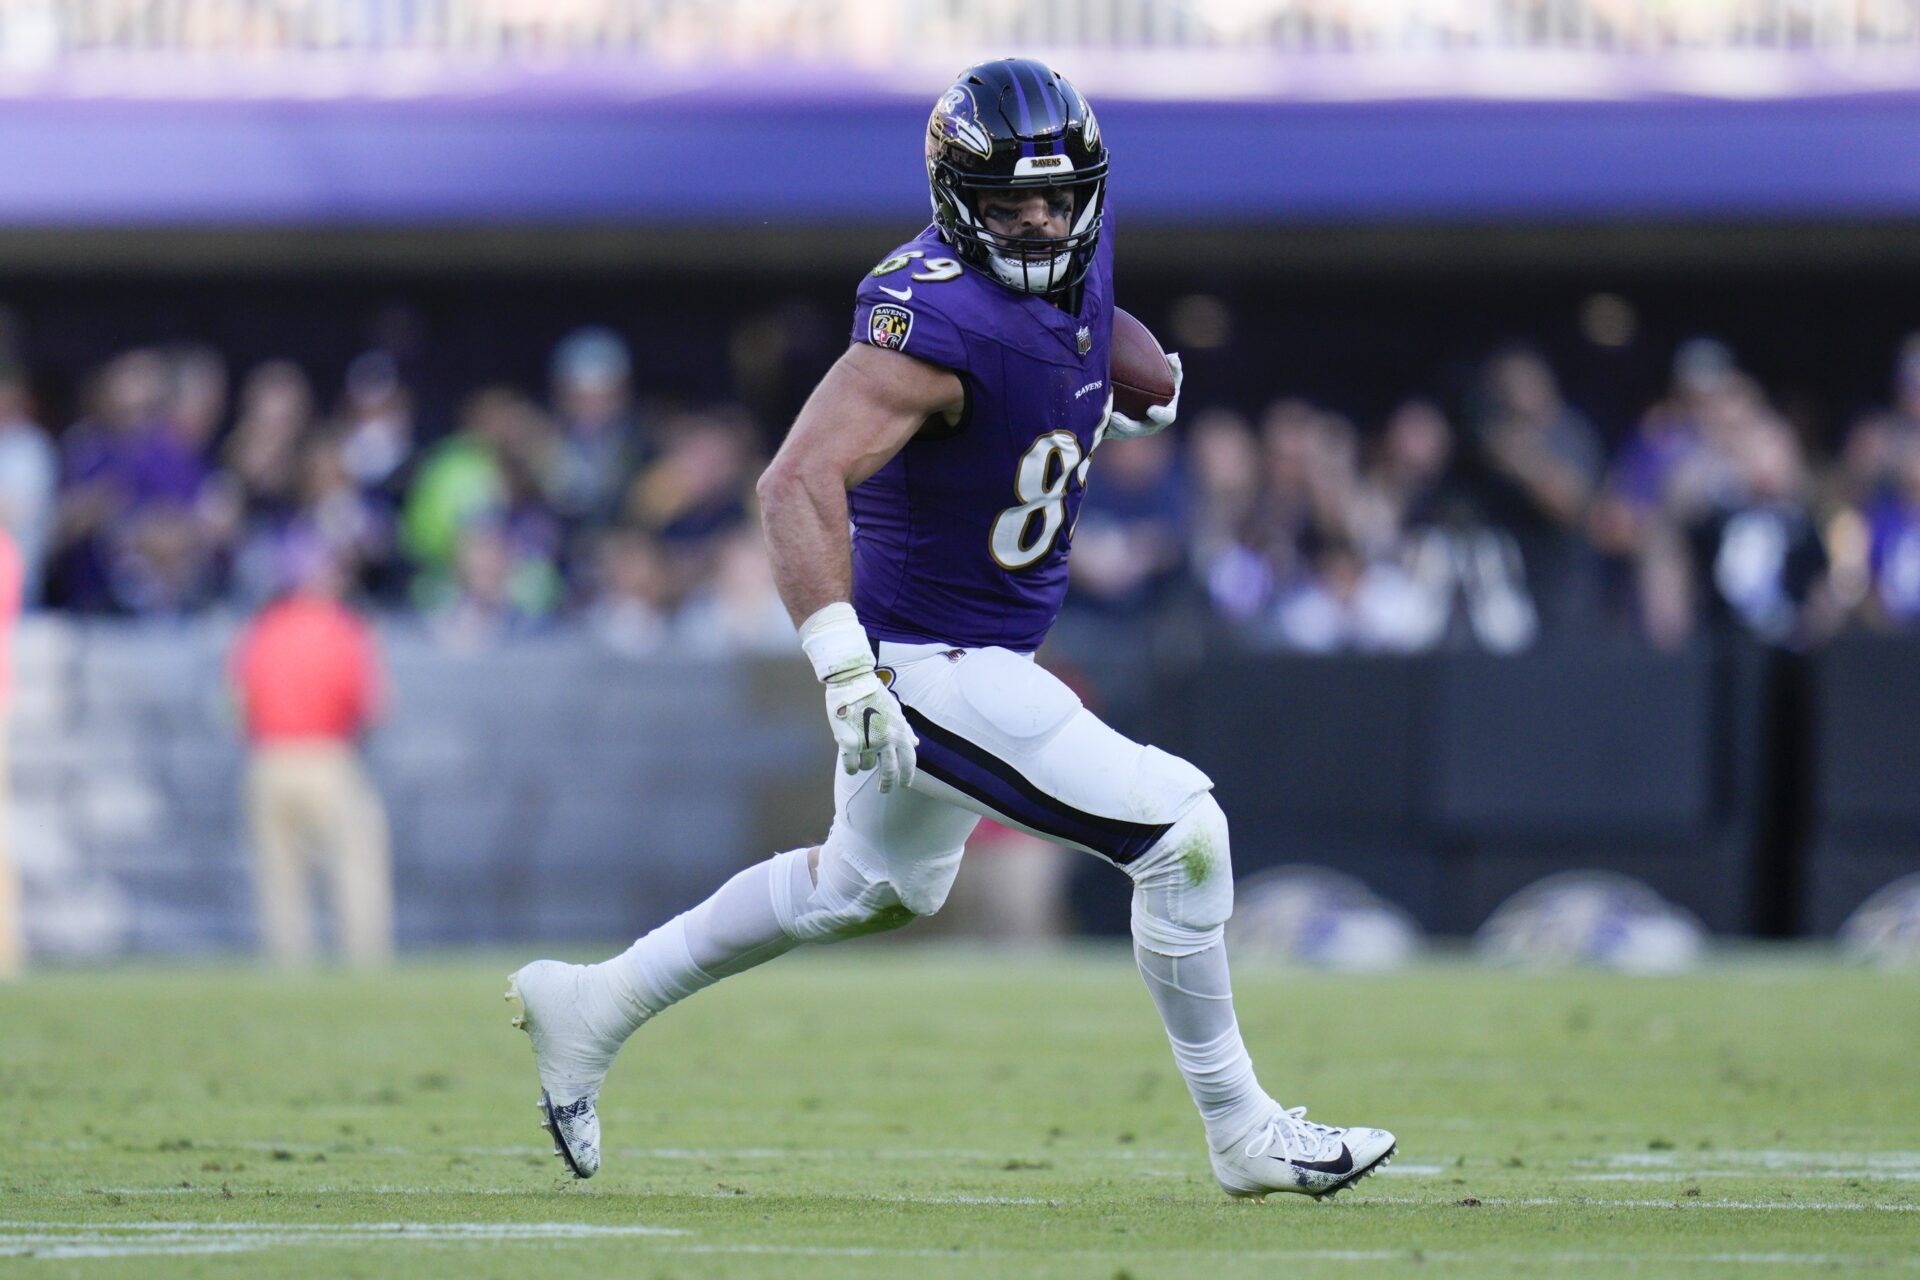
[871, 729]
[868, 723]
[1159, 416]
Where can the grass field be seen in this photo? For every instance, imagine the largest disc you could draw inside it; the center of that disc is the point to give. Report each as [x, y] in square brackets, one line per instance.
[883, 1110]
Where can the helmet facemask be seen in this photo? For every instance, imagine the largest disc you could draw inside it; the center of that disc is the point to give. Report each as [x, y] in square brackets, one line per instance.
[1030, 264]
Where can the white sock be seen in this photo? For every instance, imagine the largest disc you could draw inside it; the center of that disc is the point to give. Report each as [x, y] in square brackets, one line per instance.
[732, 931]
[1195, 997]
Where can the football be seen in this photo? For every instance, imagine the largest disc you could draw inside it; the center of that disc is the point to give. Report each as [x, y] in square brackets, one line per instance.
[1139, 371]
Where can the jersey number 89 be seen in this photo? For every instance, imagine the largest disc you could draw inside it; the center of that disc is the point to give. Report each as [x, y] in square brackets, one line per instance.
[1023, 535]
[936, 269]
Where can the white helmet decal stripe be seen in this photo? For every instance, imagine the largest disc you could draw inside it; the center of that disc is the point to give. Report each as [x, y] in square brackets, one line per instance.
[971, 136]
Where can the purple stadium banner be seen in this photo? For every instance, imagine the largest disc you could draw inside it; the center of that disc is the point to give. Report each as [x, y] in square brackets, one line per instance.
[704, 155]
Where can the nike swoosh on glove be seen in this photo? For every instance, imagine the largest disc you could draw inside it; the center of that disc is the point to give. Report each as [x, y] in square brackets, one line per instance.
[1159, 416]
[871, 729]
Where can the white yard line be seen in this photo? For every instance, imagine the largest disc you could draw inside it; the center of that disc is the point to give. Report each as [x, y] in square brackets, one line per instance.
[318, 1189]
[1685, 1202]
[532, 1189]
[61, 1241]
[1782, 1160]
[517, 1230]
[396, 1230]
[98, 1245]
[965, 1200]
[535, 1189]
[868, 1153]
[1683, 1174]
[1311, 1255]
[141, 1239]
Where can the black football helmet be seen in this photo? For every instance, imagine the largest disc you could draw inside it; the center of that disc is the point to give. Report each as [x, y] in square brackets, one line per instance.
[1017, 124]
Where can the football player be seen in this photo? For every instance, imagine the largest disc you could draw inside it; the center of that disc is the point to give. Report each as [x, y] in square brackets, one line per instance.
[953, 439]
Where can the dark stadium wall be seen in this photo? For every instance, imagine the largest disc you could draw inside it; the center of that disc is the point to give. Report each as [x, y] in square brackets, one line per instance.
[1770, 793]
[1450, 781]
[1445, 782]
[1862, 824]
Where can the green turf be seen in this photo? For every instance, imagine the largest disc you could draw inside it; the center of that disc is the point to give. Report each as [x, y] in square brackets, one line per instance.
[883, 1110]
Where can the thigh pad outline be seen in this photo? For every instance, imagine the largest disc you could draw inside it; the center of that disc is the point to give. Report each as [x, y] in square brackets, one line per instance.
[1017, 704]
[1012, 737]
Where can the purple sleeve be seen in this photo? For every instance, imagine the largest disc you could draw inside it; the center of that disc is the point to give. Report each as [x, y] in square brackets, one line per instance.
[917, 324]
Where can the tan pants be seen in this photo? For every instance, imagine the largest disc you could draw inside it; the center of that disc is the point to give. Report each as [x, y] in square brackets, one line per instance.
[313, 810]
[13, 943]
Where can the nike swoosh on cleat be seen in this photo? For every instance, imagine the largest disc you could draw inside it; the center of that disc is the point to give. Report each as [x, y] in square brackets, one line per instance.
[904, 295]
[1343, 1165]
[1368, 1172]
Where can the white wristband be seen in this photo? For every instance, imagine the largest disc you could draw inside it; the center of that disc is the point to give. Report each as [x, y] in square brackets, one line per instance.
[836, 643]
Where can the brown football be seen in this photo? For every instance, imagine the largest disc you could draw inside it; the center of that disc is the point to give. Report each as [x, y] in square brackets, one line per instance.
[1140, 374]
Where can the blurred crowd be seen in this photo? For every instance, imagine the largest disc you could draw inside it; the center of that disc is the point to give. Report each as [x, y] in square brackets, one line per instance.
[181, 489]
[1514, 519]
[1497, 523]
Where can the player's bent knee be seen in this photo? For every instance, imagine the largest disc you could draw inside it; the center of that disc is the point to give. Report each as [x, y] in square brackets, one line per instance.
[1194, 850]
[923, 888]
[1183, 885]
[844, 901]
[834, 917]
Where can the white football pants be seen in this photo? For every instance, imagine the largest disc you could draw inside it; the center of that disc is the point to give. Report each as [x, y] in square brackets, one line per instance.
[1001, 736]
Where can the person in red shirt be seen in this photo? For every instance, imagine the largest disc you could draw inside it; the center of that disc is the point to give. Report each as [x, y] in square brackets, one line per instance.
[306, 672]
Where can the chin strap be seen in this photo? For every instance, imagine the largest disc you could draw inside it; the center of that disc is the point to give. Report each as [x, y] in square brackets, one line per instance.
[1018, 274]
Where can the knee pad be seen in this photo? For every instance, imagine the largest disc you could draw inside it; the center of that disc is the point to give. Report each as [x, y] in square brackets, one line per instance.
[845, 900]
[1183, 885]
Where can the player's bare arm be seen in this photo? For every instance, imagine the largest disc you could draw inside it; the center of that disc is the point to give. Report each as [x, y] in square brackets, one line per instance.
[863, 412]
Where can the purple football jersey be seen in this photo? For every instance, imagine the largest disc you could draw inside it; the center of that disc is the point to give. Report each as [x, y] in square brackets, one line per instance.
[962, 537]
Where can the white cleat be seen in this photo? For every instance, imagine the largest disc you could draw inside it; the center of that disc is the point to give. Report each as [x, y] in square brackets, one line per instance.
[1291, 1153]
[572, 1060]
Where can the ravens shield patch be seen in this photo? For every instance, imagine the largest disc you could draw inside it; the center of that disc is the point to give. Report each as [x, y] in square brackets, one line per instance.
[889, 326]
